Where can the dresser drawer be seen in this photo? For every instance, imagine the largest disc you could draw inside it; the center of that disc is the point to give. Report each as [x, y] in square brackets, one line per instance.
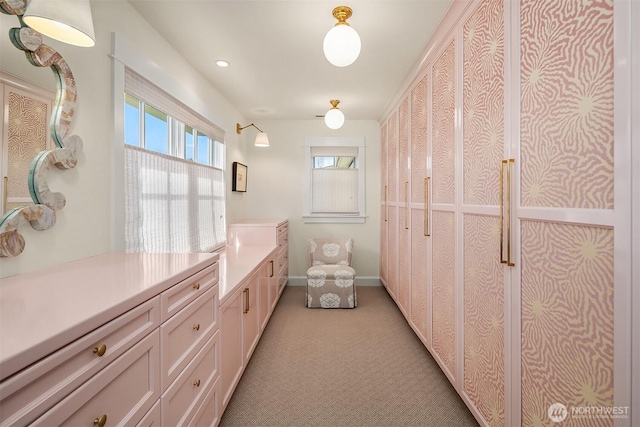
[123, 392]
[187, 393]
[282, 228]
[183, 334]
[179, 296]
[152, 418]
[208, 414]
[283, 241]
[29, 393]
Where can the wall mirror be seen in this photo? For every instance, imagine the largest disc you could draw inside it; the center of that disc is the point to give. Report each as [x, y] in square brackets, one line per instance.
[40, 211]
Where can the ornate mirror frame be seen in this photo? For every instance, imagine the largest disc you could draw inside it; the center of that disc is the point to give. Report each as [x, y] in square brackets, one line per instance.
[42, 214]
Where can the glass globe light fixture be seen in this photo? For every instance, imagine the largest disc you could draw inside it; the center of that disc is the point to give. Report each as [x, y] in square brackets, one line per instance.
[334, 119]
[342, 43]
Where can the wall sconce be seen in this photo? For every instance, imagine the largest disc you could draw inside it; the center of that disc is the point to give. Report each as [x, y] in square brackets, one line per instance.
[342, 43]
[261, 139]
[334, 119]
[68, 21]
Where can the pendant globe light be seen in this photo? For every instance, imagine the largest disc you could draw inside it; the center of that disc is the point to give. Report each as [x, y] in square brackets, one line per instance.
[334, 119]
[342, 43]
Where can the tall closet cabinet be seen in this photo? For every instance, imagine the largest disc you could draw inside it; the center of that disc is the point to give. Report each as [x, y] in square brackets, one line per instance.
[506, 225]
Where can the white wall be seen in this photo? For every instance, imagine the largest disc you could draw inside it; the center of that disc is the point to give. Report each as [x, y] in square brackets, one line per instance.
[275, 188]
[83, 227]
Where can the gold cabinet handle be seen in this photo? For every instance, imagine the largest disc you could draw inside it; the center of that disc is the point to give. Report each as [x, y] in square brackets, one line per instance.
[406, 201]
[196, 383]
[196, 286]
[506, 205]
[272, 268]
[196, 327]
[100, 422]
[5, 201]
[426, 206]
[246, 301]
[100, 350]
[386, 188]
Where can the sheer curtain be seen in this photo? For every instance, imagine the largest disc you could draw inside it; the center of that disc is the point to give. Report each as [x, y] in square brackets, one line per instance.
[172, 205]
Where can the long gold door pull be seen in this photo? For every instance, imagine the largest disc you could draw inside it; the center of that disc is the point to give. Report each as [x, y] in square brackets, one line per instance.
[406, 201]
[272, 269]
[426, 206]
[246, 300]
[506, 205]
[385, 203]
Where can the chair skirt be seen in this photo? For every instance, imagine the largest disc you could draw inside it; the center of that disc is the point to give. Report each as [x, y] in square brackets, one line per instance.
[331, 286]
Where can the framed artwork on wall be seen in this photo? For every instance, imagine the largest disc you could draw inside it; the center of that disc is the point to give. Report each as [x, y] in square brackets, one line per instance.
[239, 180]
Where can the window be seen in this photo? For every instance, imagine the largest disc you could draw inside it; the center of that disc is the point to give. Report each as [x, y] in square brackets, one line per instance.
[174, 174]
[335, 180]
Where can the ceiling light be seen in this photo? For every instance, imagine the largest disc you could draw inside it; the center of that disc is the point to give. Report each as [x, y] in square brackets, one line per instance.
[334, 119]
[68, 21]
[261, 139]
[222, 63]
[342, 43]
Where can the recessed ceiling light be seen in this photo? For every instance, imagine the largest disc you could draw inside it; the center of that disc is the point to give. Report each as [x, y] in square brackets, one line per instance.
[222, 63]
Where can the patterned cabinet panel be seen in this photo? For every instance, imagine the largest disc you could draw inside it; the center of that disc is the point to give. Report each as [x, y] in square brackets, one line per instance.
[443, 131]
[567, 104]
[404, 261]
[392, 157]
[484, 363]
[567, 319]
[419, 123]
[483, 103]
[443, 288]
[384, 261]
[403, 151]
[392, 279]
[419, 277]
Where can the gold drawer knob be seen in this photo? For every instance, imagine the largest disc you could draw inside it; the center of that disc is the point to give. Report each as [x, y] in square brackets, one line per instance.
[196, 383]
[100, 422]
[196, 327]
[196, 286]
[100, 351]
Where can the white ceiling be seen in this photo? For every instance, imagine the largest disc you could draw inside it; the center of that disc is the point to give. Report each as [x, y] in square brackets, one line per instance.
[278, 69]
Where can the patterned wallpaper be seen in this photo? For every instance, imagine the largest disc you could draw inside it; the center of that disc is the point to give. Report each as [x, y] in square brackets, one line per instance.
[567, 104]
[27, 137]
[483, 108]
[419, 117]
[567, 319]
[443, 117]
[483, 149]
[484, 317]
[444, 294]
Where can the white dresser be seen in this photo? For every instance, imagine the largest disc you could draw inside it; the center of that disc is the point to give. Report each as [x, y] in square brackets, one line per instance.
[129, 339]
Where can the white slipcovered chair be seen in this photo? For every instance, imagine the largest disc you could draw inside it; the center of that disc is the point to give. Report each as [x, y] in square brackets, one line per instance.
[330, 279]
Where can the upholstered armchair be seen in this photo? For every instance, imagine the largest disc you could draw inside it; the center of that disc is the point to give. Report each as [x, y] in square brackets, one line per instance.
[330, 279]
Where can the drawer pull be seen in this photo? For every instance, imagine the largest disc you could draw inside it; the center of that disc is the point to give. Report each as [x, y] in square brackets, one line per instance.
[100, 350]
[196, 383]
[100, 422]
[196, 327]
[196, 286]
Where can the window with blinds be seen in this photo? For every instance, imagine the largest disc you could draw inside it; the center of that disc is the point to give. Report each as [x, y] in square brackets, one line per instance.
[335, 181]
[174, 174]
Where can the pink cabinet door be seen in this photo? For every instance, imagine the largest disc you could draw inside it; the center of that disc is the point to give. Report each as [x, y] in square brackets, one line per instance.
[250, 317]
[231, 356]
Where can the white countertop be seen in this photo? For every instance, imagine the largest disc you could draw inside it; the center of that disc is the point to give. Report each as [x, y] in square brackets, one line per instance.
[259, 222]
[44, 310]
[237, 263]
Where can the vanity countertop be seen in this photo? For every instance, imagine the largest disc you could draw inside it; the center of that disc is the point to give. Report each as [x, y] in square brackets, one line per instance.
[46, 309]
[237, 263]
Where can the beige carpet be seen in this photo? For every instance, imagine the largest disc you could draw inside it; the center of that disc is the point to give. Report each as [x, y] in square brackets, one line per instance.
[342, 367]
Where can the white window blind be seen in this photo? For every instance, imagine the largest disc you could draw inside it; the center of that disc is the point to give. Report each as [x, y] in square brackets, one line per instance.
[335, 191]
[172, 205]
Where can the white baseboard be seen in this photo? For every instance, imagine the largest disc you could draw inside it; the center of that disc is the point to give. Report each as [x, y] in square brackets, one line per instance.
[360, 281]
